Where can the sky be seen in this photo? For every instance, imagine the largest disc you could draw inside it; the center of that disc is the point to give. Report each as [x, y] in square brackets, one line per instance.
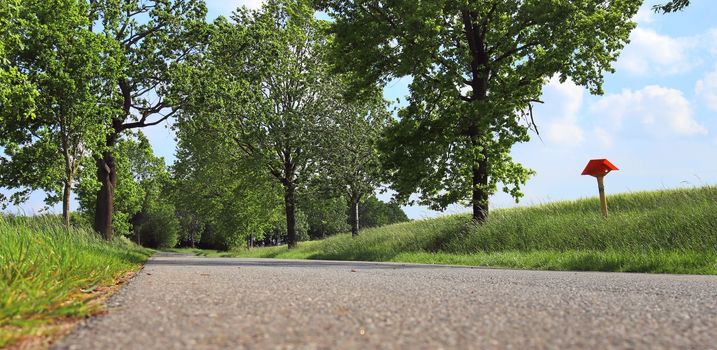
[657, 120]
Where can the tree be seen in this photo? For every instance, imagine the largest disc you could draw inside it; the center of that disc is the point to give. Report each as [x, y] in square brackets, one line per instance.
[279, 124]
[235, 199]
[191, 227]
[63, 60]
[263, 84]
[141, 184]
[351, 164]
[325, 214]
[476, 69]
[152, 38]
[672, 6]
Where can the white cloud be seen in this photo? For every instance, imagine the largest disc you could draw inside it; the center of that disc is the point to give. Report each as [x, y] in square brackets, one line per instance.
[659, 110]
[710, 40]
[562, 103]
[706, 90]
[565, 132]
[603, 137]
[645, 15]
[652, 53]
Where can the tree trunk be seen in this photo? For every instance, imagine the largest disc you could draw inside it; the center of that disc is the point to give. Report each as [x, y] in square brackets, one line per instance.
[480, 196]
[354, 216]
[289, 205]
[479, 74]
[66, 193]
[104, 207]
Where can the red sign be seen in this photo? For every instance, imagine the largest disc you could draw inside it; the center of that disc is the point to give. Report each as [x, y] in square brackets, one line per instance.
[599, 167]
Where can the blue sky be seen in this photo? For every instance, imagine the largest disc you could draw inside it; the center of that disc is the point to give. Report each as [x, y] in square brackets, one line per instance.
[657, 120]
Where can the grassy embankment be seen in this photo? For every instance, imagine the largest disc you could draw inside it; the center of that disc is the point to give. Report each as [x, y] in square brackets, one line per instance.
[50, 276]
[670, 231]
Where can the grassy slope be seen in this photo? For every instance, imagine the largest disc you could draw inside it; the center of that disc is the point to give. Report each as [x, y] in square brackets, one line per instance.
[672, 231]
[48, 274]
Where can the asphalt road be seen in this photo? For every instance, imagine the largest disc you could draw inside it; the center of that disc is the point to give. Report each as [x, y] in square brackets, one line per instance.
[184, 302]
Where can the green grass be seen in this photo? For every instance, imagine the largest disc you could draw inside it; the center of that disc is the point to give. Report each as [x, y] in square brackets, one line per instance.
[669, 231]
[49, 273]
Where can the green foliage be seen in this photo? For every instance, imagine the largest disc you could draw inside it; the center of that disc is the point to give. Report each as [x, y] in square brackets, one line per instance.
[476, 67]
[375, 213]
[325, 216]
[668, 231]
[46, 269]
[191, 228]
[152, 38]
[350, 159]
[159, 227]
[17, 93]
[37, 165]
[672, 6]
[235, 199]
[265, 124]
[142, 180]
[273, 129]
[349, 164]
[278, 232]
[65, 63]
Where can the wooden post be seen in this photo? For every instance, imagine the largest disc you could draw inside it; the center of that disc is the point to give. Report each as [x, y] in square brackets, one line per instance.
[603, 200]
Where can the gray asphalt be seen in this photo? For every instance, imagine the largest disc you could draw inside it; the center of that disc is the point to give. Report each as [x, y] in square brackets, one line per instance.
[184, 302]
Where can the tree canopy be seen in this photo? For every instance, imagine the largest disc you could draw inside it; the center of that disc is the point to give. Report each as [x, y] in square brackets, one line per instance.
[350, 166]
[65, 63]
[476, 68]
[152, 38]
[266, 88]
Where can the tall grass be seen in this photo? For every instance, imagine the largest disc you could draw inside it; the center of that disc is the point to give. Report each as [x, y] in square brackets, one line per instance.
[47, 272]
[658, 231]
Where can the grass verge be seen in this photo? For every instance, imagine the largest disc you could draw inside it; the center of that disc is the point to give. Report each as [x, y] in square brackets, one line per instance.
[669, 231]
[49, 275]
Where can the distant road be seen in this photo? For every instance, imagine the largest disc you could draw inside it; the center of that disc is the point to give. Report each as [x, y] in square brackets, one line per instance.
[185, 302]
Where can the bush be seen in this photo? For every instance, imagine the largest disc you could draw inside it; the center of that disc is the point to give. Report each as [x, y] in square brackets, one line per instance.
[159, 227]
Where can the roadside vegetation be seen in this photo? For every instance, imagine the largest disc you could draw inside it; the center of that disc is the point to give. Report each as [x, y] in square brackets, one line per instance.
[283, 132]
[669, 231]
[284, 136]
[50, 275]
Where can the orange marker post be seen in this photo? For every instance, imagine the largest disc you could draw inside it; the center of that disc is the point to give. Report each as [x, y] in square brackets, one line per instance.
[599, 168]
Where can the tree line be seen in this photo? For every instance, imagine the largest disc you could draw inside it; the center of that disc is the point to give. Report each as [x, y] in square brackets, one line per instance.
[282, 129]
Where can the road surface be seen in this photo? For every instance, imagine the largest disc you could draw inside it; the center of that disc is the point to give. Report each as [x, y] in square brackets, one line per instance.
[185, 302]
